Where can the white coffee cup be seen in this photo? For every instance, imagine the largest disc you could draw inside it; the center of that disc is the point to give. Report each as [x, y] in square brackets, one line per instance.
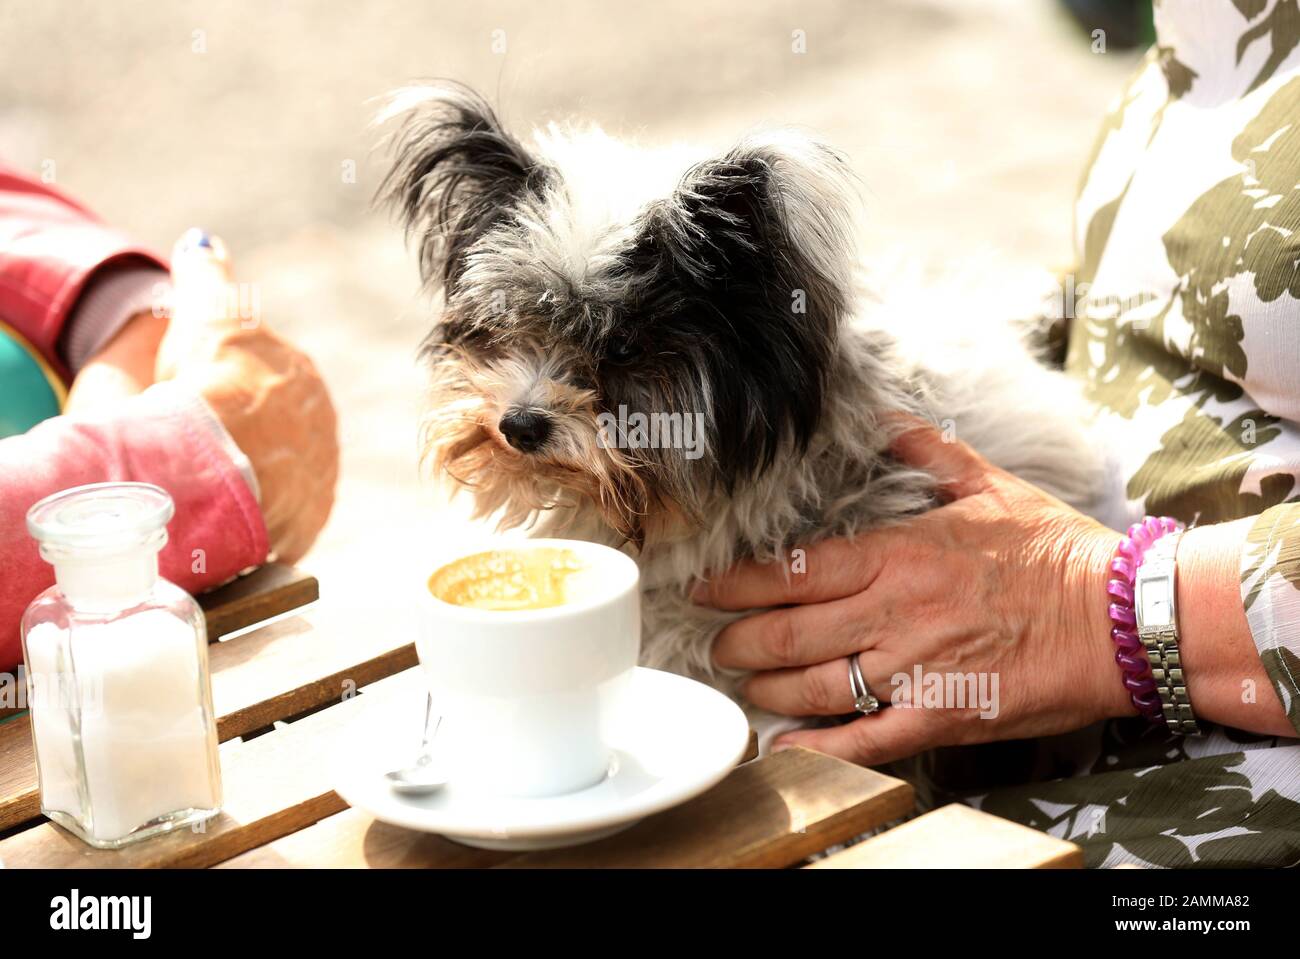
[526, 695]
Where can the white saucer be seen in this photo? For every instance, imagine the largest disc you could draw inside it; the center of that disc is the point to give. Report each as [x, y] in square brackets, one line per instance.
[674, 739]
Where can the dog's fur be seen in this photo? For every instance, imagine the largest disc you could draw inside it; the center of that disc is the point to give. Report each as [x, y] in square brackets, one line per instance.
[580, 274]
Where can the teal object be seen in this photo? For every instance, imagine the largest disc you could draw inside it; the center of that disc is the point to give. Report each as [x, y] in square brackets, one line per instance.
[26, 396]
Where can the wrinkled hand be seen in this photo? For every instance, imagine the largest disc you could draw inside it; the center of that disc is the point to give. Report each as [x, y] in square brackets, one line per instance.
[1003, 582]
[268, 395]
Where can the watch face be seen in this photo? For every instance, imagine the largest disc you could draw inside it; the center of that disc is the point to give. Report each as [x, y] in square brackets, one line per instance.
[1155, 602]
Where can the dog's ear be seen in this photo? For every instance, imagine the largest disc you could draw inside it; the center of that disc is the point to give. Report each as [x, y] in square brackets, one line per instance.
[779, 198]
[455, 173]
[758, 250]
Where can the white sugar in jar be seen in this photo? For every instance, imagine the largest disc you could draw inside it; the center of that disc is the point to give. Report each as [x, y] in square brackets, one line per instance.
[117, 672]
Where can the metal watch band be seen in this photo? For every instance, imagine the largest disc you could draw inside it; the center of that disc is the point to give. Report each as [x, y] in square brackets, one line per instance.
[1155, 602]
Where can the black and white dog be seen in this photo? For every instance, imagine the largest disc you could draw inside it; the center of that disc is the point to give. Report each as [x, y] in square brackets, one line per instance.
[676, 353]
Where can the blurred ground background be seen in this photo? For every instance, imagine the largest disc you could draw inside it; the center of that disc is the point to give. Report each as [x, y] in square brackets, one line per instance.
[968, 120]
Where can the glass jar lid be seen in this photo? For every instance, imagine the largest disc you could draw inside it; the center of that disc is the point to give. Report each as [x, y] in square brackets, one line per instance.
[102, 518]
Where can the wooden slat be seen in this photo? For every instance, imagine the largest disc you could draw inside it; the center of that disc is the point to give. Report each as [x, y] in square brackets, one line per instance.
[354, 840]
[267, 591]
[772, 812]
[274, 784]
[298, 664]
[958, 837]
[18, 796]
[271, 673]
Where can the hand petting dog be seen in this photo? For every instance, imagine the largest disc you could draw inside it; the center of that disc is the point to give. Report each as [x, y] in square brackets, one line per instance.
[1003, 579]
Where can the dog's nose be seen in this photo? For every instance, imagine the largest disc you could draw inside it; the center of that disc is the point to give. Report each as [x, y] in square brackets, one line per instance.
[525, 430]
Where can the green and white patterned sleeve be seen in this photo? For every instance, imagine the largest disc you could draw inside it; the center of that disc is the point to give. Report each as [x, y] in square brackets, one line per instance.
[1270, 593]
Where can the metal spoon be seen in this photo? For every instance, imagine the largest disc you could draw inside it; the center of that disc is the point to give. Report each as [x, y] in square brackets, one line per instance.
[424, 775]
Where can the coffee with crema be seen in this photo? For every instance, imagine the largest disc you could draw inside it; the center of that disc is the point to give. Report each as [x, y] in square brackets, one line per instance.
[528, 649]
[508, 580]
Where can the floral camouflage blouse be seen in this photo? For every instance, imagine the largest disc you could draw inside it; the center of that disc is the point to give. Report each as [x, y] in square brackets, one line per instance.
[1187, 336]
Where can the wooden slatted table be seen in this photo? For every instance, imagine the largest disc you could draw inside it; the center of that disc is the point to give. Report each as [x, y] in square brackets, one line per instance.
[958, 837]
[286, 694]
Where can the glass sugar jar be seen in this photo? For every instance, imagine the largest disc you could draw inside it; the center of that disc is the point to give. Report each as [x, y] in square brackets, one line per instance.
[117, 672]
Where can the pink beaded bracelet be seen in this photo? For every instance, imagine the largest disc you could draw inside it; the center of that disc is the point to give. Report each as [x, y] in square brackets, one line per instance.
[1129, 652]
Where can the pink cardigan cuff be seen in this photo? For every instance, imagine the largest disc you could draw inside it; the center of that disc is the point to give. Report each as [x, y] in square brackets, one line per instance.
[164, 436]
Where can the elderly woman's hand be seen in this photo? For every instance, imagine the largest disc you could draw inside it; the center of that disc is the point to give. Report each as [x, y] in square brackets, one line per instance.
[1004, 583]
[267, 394]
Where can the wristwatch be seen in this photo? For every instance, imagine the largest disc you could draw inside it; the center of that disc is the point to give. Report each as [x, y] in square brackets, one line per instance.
[1155, 600]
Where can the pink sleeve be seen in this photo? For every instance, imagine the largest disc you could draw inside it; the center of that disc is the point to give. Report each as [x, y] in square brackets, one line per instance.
[50, 245]
[157, 437]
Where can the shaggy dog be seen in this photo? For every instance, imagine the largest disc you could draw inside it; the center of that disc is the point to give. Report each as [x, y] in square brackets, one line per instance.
[675, 353]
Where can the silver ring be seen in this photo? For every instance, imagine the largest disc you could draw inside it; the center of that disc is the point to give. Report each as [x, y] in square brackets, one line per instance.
[863, 701]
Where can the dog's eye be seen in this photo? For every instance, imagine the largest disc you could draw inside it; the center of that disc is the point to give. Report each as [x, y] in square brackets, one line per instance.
[621, 349]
